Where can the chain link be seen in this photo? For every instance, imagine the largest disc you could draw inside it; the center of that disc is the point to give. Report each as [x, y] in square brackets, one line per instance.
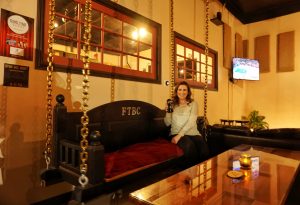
[112, 89]
[206, 61]
[204, 182]
[172, 49]
[112, 81]
[47, 151]
[205, 93]
[83, 180]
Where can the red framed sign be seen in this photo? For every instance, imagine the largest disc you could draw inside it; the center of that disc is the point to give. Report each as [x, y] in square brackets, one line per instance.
[16, 35]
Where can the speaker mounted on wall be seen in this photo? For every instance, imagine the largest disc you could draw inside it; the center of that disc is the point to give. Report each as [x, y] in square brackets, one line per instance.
[218, 19]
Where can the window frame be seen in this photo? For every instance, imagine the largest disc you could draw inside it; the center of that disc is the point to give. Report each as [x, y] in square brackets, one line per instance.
[72, 65]
[195, 46]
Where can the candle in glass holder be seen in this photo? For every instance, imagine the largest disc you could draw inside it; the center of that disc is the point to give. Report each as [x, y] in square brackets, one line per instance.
[245, 160]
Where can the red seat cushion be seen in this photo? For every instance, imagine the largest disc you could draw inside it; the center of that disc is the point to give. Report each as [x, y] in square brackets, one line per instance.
[139, 156]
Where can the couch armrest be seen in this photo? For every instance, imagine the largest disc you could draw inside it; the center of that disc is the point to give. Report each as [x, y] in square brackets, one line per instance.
[96, 169]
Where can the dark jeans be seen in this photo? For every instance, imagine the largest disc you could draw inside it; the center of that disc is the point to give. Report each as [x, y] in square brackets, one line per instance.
[195, 149]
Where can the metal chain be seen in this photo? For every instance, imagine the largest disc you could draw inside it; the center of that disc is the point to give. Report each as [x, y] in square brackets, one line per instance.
[172, 50]
[206, 61]
[204, 181]
[205, 94]
[112, 81]
[69, 81]
[83, 179]
[112, 89]
[47, 151]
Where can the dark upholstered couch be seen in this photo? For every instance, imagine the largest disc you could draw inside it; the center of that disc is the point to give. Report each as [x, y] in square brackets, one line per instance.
[222, 138]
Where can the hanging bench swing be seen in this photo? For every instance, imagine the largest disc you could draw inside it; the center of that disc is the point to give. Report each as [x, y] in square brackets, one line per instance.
[52, 174]
[74, 148]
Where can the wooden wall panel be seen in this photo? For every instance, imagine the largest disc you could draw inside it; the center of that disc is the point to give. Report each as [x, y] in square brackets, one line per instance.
[238, 45]
[286, 52]
[227, 56]
[262, 52]
[245, 49]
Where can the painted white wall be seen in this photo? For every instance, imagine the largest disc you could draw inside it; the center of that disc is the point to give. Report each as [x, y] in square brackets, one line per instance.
[275, 95]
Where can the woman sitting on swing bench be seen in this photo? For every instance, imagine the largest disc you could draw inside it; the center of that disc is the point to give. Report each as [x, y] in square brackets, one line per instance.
[184, 130]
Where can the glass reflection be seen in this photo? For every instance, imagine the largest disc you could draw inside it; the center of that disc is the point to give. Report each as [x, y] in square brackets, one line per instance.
[112, 41]
[65, 48]
[112, 58]
[130, 62]
[145, 65]
[129, 46]
[145, 50]
[112, 24]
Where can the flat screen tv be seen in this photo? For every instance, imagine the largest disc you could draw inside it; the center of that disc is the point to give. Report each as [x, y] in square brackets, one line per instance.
[245, 69]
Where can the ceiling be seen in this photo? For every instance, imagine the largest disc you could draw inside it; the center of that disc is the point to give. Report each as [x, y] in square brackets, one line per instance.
[250, 11]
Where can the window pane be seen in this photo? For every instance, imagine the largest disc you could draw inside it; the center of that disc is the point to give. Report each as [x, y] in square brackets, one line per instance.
[198, 77]
[129, 46]
[198, 67]
[209, 79]
[196, 55]
[67, 28]
[189, 64]
[202, 58]
[129, 30]
[94, 54]
[189, 75]
[209, 60]
[202, 78]
[145, 65]
[180, 71]
[179, 49]
[112, 41]
[95, 35]
[179, 60]
[65, 48]
[66, 7]
[209, 70]
[145, 36]
[145, 50]
[112, 58]
[203, 68]
[112, 24]
[96, 18]
[130, 62]
[189, 53]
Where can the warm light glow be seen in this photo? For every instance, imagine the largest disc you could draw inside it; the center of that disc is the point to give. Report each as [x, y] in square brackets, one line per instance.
[181, 71]
[135, 35]
[245, 160]
[141, 33]
[55, 24]
[140, 196]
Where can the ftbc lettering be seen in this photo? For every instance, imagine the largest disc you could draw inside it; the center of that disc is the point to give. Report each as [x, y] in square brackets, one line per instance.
[131, 111]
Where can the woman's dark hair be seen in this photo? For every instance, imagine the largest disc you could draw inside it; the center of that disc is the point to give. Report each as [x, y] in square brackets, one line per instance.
[188, 97]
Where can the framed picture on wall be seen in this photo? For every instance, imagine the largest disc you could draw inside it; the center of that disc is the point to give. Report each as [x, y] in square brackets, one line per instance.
[17, 35]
